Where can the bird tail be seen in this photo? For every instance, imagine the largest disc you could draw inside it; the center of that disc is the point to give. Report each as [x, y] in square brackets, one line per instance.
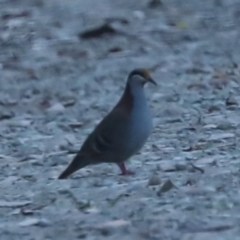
[77, 163]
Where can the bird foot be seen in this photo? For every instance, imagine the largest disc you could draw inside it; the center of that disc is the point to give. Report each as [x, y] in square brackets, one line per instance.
[127, 173]
[124, 171]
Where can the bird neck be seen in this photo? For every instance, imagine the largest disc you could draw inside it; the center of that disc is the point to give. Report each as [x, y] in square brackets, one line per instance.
[132, 94]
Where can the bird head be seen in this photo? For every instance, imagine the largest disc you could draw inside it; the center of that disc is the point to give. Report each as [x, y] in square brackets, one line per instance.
[134, 88]
[140, 76]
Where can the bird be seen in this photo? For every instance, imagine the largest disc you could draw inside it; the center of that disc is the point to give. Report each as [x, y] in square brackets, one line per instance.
[122, 132]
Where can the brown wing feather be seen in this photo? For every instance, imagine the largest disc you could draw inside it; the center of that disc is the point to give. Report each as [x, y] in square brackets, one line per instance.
[104, 140]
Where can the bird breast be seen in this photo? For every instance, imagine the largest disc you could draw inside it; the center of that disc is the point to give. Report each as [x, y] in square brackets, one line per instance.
[141, 120]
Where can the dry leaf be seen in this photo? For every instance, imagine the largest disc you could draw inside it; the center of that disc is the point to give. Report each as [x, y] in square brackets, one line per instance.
[115, 200]
[197, 86]
[75, 125]
[115, 49]
[98, 31]
[72, 53]
[115, 223]
[155, 3]
[34, 221]
[13, 204]
[198, 191]
[210, 126]
[28, 222]
[219, 83]
[206, 161]
[8, 16]
[220, 136]
[196, 168]
[181, 25]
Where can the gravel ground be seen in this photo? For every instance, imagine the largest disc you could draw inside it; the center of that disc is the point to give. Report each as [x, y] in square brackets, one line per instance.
[63, 67]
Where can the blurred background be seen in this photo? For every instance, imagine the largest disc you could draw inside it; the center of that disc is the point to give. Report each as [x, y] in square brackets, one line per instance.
[63, 66]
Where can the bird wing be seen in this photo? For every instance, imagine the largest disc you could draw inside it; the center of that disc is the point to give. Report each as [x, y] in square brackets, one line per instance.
[108, 137]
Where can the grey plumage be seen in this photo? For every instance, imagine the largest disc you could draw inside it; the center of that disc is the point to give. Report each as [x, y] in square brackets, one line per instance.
[122, 133]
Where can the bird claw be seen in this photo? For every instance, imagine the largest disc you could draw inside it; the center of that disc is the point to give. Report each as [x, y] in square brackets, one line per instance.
[124, 171]
[127, 173]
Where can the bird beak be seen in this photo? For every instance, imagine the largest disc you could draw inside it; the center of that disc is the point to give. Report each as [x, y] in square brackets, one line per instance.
[152, 81]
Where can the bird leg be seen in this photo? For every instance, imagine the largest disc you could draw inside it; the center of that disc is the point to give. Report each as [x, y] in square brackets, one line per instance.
[123, 169]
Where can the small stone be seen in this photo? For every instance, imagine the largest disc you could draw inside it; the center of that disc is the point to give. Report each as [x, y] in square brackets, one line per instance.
[15, 212]
[231, 101]
[42, 222]
[139, 15]
[167, 186]
[154, 180]
[57, 107]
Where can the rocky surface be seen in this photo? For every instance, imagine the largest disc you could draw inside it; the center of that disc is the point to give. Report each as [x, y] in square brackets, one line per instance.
[64, 65]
